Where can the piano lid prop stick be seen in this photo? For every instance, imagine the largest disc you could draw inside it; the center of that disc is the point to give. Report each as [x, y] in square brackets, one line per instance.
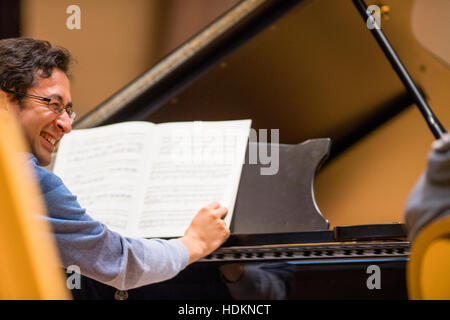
[434, 124]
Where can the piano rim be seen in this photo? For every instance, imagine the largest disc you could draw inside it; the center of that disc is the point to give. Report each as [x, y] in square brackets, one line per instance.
[324, 252]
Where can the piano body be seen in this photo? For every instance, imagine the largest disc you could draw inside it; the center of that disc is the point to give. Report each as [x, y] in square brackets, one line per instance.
[312, 70]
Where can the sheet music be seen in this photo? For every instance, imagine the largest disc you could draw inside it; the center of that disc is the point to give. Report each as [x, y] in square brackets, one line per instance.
[194, 164]
[103, 167]
[148, 180]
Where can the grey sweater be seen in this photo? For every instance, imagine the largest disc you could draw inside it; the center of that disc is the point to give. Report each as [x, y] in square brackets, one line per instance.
[430, 198]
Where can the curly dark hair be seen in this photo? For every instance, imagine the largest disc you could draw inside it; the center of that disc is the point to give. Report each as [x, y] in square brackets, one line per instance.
[21, 59]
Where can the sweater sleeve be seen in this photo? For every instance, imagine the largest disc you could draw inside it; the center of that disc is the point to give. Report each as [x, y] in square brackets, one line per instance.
[430, 198]
[100, 253]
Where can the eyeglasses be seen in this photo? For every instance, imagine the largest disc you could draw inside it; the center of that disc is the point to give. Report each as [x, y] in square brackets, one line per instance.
[53, 104]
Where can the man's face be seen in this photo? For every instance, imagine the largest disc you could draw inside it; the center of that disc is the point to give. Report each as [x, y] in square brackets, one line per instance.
[42, 127]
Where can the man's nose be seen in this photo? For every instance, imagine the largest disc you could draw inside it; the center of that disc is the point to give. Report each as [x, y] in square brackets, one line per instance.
[63, 123]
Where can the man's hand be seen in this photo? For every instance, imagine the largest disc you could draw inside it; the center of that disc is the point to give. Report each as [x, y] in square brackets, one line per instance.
[206, 232]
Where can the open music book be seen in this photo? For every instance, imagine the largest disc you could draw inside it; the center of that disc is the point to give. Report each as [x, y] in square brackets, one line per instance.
[149, 180]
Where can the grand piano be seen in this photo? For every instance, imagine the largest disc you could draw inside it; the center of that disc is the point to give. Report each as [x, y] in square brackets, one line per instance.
[326, 85]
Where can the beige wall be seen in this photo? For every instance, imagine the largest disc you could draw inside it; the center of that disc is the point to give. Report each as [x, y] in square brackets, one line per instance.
[184, 18]
[118, 39]
[114, 45]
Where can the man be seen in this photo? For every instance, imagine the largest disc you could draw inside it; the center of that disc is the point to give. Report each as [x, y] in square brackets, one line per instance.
[34, 78]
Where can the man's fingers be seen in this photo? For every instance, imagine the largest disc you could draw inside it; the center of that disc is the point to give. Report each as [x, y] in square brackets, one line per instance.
[221, 212]
[216, 209]
[213, 205]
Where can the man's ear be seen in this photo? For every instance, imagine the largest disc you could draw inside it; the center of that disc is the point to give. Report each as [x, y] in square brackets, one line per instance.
[5, 109]
[7, 103]
[4, 104]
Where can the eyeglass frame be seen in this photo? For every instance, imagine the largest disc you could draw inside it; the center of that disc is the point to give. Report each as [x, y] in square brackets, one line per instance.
[69, 112]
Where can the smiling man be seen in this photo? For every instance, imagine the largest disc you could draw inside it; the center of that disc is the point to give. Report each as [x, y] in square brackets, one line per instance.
[42, 117]
[34, 78]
